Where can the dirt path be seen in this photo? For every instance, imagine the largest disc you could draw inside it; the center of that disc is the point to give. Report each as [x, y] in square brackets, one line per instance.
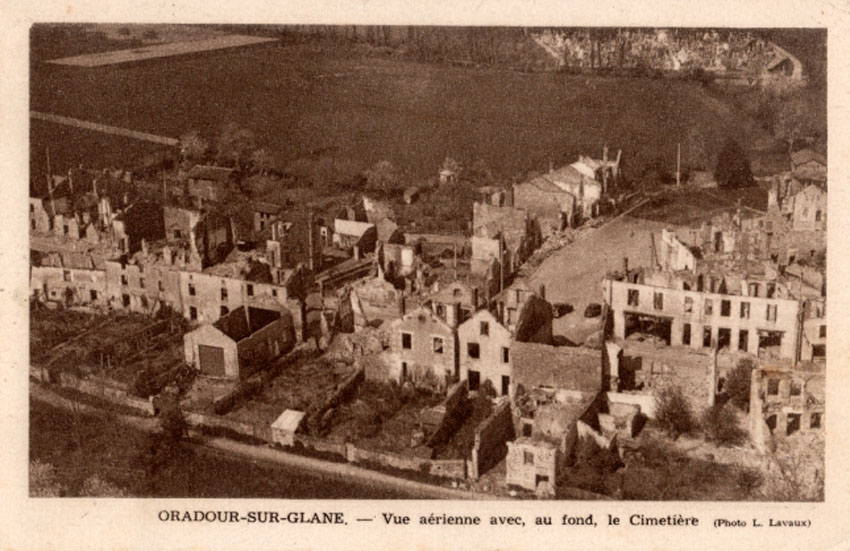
[97, 127]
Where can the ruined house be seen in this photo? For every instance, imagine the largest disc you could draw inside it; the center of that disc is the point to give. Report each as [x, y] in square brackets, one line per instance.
[758, 325]
[526, 314]
[243, 342]
[813, 341]
[209, 183]
[68, 278]
[537, 459]
[784, 402]
[454, 303]
[423, 350]
[263, 214]
[504, 234]
[359, 237]
[553, 207]
[380, 300]
[293, 238]
[485, 352]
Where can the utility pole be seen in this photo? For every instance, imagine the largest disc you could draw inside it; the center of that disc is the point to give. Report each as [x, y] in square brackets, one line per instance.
[678, 164]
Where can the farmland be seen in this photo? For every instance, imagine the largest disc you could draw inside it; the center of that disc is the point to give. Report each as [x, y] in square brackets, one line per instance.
[360, 108]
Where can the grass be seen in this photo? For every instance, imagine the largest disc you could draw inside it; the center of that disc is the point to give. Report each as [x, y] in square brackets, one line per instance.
[361, 108]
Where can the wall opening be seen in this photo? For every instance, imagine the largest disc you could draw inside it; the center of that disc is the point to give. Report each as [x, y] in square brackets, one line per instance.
[647, 327]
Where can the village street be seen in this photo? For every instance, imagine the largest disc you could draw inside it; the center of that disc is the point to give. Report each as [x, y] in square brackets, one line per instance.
[574, 273]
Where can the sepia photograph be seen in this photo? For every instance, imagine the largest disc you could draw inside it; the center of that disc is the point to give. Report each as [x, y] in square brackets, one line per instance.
[397, 262]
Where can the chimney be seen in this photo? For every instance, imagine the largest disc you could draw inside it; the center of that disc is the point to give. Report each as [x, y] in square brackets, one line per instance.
[542, 291]
[401, 303]
[475, 298]
[356, 252]
[551, 166]
[144, 246]
[625, 264]
[605, 154]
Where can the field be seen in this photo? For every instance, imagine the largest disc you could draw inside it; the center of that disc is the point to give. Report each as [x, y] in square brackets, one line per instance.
[301, 100]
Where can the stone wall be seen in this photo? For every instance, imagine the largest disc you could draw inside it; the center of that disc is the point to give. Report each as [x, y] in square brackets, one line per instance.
[491, 437]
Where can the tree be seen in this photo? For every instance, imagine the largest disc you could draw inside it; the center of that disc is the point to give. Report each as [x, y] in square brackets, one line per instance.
[43, 480]
[673, 412]
[797, 117]
[733, 166]
[95, 486]
[382, 177]
[738, 384]
[263, 161]
[720, 425]
[234, 145]
[193, 147]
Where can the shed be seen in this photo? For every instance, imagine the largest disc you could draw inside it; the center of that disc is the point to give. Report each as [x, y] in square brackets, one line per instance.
[285, 427]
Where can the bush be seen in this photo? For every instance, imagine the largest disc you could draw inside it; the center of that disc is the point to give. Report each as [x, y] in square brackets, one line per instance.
[720, 425]
[733, 167]
[673, 412]
[738, 384]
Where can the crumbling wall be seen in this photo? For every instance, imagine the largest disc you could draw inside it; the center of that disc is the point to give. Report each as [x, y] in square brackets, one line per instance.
[491, 437]
[443, 419]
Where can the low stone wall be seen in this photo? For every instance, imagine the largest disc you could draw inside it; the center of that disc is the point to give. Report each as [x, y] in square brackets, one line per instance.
[491, 437]
[322, 445]
[449, 468]
[98, 388]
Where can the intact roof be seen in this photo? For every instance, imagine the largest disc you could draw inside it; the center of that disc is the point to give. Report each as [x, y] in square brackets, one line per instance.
[350, 227]
[806, 155]
[206, 172]
[238, 326]
[289, 420]
[559, 367]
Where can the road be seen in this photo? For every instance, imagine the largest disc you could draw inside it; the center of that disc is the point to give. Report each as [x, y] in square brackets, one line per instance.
[105, 128]
[297, 476]
[574, 273]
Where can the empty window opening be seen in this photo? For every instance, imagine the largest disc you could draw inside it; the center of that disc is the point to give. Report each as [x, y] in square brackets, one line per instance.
[725, 308]
[795, 388]
[634, 297]
[770, 344]
[406, 341]
[819, 351]
[191, 290]
[686, 334]
[689, 305]
[745, 310]
[642, 327]
[473, 350]
[193, 313]
[438, 345]
[485, 329]
[658, 301]
[528, 458]
[706, 337]
[506, 354]
[822, 332]
[815, 421]
[474, 379]
[724, 338]
[743, 338]
[772, 387]
[793, 424]
[506, 385]
[771, 423]
[709, 307]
